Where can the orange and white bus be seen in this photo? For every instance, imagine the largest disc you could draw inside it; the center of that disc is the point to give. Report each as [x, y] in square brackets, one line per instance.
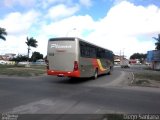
[74, 57]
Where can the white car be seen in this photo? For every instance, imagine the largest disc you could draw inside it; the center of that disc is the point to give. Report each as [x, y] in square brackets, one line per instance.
[2, 62]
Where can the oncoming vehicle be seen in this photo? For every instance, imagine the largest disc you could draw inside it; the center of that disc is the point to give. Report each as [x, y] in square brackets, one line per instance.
[74, 57]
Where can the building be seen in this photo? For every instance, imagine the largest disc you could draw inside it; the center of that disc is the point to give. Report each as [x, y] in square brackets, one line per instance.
[153, 57]
[7, 56]
[118, 59]
[134, 61]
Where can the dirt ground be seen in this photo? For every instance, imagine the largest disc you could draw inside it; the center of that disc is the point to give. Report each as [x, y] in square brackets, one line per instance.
[147, 78]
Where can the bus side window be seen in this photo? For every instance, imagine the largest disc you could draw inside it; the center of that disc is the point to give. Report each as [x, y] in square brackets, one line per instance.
[87, 50]
[100, 53]
[109, 55]
[82, 51]
[92, 52]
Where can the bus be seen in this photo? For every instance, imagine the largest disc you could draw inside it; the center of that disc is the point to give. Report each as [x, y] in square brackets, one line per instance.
[76, 58]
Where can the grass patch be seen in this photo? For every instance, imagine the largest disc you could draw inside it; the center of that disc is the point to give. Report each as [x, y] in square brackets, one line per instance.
[142, 82]
[21, 70]
[148, 76]
[38, 66]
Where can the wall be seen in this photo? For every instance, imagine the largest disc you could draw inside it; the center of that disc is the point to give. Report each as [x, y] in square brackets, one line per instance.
[157, 66]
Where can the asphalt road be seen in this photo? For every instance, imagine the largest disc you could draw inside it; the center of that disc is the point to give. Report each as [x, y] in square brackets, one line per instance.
[48, 94]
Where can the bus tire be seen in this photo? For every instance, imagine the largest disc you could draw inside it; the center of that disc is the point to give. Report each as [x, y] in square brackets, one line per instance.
[109, 73]
[110, 69]
[95, 74]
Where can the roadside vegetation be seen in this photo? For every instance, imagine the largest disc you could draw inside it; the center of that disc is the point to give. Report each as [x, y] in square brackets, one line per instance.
[3, 33]
[31, 42]
[140, 56]
[157, 44]
[147, 78]
[21, 70]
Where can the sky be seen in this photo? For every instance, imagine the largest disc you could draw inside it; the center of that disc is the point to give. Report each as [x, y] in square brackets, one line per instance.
[123, 26]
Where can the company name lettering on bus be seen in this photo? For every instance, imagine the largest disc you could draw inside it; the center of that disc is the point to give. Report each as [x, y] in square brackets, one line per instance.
[60, 46]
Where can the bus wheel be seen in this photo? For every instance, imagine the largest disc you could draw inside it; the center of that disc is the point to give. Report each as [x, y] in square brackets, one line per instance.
[96, 74]
[109, 73]
[110, 69]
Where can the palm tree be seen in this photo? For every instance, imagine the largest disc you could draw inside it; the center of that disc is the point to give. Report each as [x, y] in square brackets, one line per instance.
[31, 42]
[3, 33]
[158, 42]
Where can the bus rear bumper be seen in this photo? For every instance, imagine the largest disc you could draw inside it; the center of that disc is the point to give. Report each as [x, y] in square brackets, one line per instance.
[64, 73]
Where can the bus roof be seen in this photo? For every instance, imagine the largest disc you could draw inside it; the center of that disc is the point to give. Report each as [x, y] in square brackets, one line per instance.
[62, 39]
[75, 38]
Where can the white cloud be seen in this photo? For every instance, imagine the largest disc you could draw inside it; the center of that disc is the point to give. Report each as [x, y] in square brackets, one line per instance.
[17, 23]
[123, 25]
[42, 44]
[86, 3]
[71, 27]
[119, 30]
[133, 19]
[17, 45]
[68, 3]
[61, 11]
[47, 3]
[123, 28]
[59, 1]
[14, 44]
[65, 27]
[24, 3]
[18, 26]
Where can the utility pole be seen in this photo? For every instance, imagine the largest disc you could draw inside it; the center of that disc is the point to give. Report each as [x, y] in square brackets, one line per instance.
[120, 57]
[123, 53]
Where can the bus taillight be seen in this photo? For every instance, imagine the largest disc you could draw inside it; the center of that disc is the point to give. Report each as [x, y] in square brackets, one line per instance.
[75, 66]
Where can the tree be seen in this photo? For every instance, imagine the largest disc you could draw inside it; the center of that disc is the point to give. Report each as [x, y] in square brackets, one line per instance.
[3, 33]
[139, 56]
[158, 42]
[36, 56]
[20, 58]
[31, 42]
